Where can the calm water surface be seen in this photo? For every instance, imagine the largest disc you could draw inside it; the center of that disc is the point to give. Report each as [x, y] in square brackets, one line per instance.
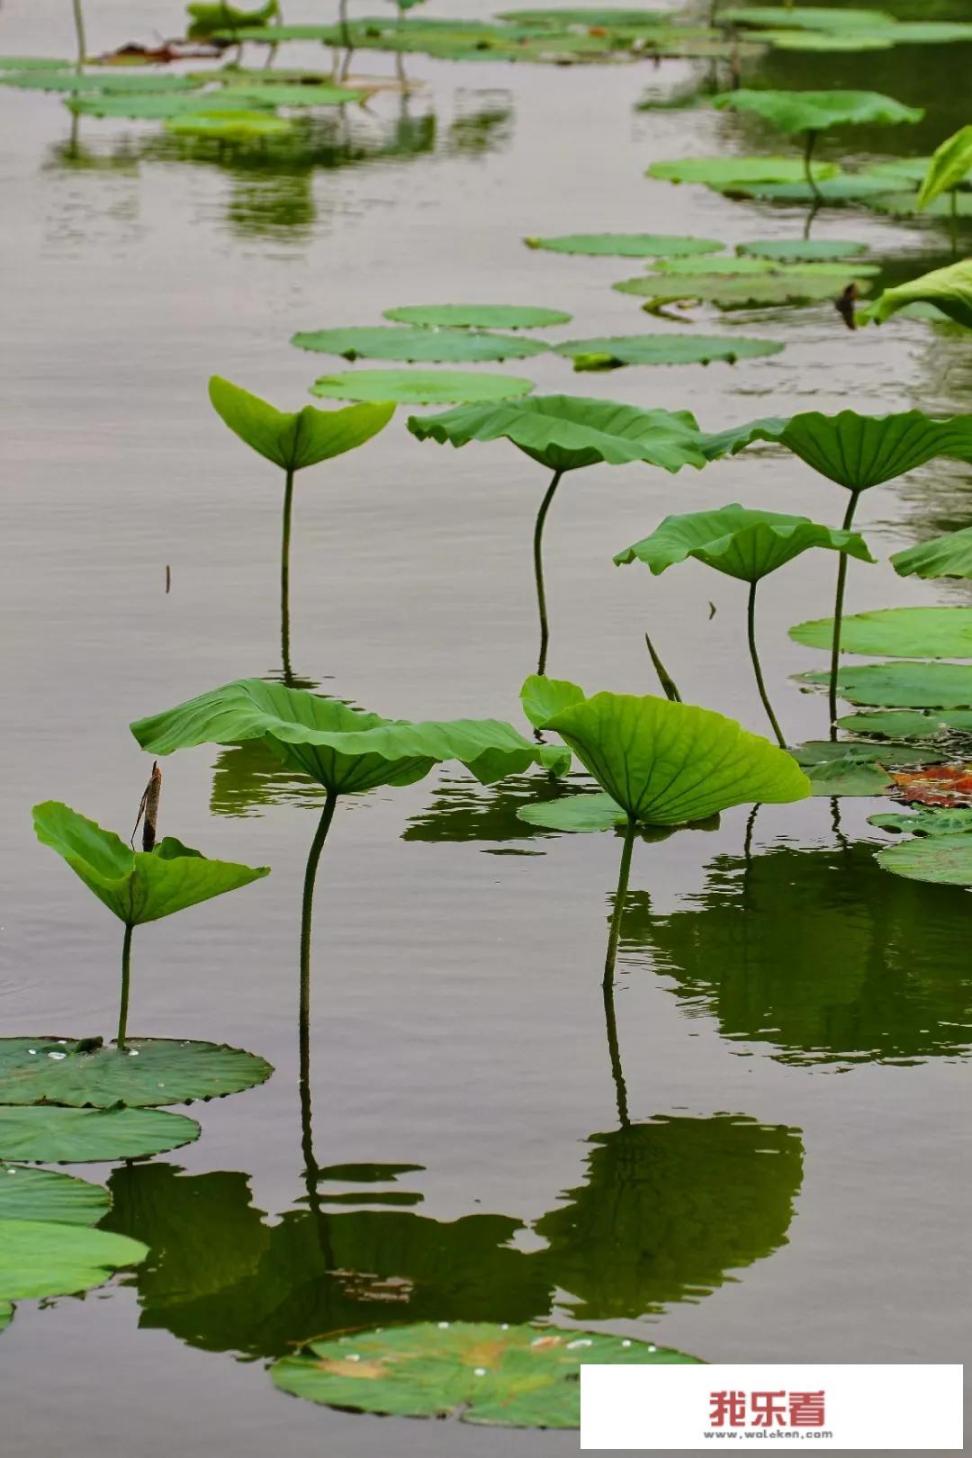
[793, 1024]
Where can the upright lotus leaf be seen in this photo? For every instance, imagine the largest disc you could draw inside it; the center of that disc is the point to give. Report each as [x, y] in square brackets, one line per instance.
[138, 886]
[39, 1258]
[345, 750]
[213, 17]
[498, 1376]
[567, 433]
[946, 556]
[542, 697]
[950, 165]
[906, 632]
[745, 544]
[857, 452]
[949, 289]
[294, 441]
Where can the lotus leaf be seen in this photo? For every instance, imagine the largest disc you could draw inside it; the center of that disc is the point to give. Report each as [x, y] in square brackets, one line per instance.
[586, 812]
[663, 349]
[118, 79]
[949, 289]
[925, 822]
[820, 40]
[907, 684]
[727, 171]
[801, 250]
[733, 291]
[157, 106]
[805, 17]
[542, 697]
[610, 18]
[863, 187]
[905, 205]
[293, 96]
[46, 1134]
[930, 32]
[946, 556]
[908, 724]
[212, 17]
[943, 859]
[138, 886]
[843, 767]
[229, 126]
[738, 266]
[421, 387]
[34, 63]
[503, 1376]
[43, 1194]
[816, 111]
[421, 345]
[295, 440]
[478, 316]
[39, 1258]
[906, 632]
[145, 1073]
[741, 542]
[626, 245]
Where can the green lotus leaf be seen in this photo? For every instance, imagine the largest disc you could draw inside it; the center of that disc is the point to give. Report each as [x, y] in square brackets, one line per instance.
[741, 542]
[294, 440]
[138, 886]
[145, 1073]
[39, 1258]
[801, 250]
[946, 556]
[724, 171]
[739, 266]
[908, 724]
[906, 632]
[844, 768]
[292, 95]
[478, 316]
[824, 41]
[119, 78]
[542, 697]
[863, 187]
[930, 32]
[856, 451]
[422, 387]
[277, 34]
[905, 205]
[156, 106]
[211, 17]
[345, 750]
[626, 245]
[609, 18]
[929, 821]
[586, 812]
[816, 111]
[906, 685]
[47, 1134]
[904, 170]
[502, 1376]
[949, 289]
[229, 126]
[663, 349]
[805, 17]
[35, 63]
[43, 1194]
[668, 763]
[428, 346]
[943, 859]
[568, 432]
[748, 289]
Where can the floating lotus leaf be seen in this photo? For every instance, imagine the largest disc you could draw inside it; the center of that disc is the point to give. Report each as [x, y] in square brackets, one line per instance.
[294, 96]
[689, 44]
[117, 79]
[144, 1073]
[297, 439]
[138, 886]
[39, 1259]
[43, 1194]
[949, 289]
[626, 245]
[905, 205]
[821, 40]
[907, 685]
[816, 111]
[735, 290]
[943, 859]
[277, 34]
[568, 432]
[724, 171]
[805, 17]
[462, 346]
[930, 32]
[906, 632]
[909, 724]
[856, 451]
[46, 1134]
[34, 63]
[743, 543]
[843, 767]
[663, 349]
[736, 266]
[421, 387]
[946, 556]
[157, 106]
[668, 764]
[502, 1376]
[610, 18]
[801, 250]
[478, 316]
[863, 187]
[925, 822]
[587, 812]
[229, 126]
[346, 750]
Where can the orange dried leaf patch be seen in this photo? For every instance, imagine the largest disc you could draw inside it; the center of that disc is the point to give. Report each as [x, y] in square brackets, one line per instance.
[936, 784]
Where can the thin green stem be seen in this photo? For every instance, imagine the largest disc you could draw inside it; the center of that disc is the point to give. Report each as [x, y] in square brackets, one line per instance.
[838, 617]
[757, 668]
[288, 503]
[125, 985]
[808, 146]
[624, 870]
[306, 917]
[79, 32]
[538, 569]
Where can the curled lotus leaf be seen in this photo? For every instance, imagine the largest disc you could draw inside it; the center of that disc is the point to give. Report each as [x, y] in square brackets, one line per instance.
[422, 387]
[816, 111]
[946, 556]
[949, 289]
[27, 1193]
[145, 1073]
[421, 345]
[663, 349]
[296, 439]
[478, 316]
[542, 697]
[906, 684]
[724, 171]
[626, 245]
[739, 541]
[906, 632]
[498, 1376]
[49, 1134]
[950, 165]
[40, 1258]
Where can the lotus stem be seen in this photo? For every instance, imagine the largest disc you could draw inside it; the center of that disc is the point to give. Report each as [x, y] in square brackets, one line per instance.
[79, 32]
[620, 894]
[757, 668]
[838, 616]
[614, 1049]
[538, 570]
[306, 917]
[126, 984]
[285, 577]
[808, 147]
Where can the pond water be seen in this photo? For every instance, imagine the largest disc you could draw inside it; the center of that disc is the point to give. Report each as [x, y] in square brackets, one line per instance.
[791, 1180]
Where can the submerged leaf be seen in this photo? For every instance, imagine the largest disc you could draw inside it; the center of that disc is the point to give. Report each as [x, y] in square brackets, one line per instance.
[422, 345]
[662, 349]
[145, 1073]
[39, 1258]
[43, 1194]
[906, 684]
[297, 439]
[949, 289]
[944, 859]
[816, 111]
[46, 1134]
[906, 632]
[478, 316]
[422, 387]
[505, 1376]
[626, 245]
